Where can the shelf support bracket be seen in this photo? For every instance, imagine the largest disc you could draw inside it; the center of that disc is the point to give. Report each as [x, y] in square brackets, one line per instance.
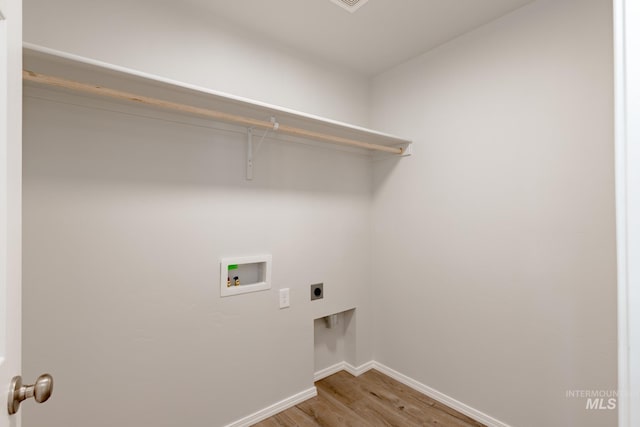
[249, 154]
[250, 147]
[407, 149]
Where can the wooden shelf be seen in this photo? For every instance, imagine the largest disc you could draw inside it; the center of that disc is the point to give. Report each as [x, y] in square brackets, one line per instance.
[93, 78]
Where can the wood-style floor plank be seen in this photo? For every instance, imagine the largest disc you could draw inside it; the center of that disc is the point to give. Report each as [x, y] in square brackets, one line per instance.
[370, 400]
[414, 400]
[294, 417]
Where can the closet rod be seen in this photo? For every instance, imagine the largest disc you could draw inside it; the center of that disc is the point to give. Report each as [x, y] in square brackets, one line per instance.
[203, 112]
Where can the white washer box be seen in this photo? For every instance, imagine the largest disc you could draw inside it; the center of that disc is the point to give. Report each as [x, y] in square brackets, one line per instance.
[253, 272]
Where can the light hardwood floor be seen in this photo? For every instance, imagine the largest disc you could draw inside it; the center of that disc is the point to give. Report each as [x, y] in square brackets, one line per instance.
[372, 399]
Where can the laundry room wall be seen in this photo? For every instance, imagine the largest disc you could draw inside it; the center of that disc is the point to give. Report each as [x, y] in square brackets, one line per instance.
[493, 252]
[127, 213]
[494, 244]
[188, 42]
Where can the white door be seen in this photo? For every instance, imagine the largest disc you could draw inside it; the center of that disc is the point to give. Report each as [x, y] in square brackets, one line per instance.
[10, 199]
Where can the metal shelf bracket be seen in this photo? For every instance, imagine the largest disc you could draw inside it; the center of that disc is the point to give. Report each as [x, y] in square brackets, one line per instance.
[250, 147]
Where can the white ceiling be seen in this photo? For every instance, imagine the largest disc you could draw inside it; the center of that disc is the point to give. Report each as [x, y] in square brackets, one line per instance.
[379, 35]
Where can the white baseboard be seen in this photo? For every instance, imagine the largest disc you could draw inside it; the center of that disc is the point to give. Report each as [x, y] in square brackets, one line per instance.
[440, 397]
[326, 372]
[275, 408]
[356, 371]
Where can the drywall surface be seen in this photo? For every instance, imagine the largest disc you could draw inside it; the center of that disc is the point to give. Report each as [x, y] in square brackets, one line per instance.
[333, 345]
[494, 244]
[126, 214]
[329, 344]
[190, 44]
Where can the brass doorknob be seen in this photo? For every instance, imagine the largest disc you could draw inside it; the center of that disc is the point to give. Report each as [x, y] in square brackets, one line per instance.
[40, 391]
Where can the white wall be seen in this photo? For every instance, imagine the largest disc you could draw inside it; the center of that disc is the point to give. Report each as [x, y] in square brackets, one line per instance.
[494, 244]
[336, 344]
[193, 45]
[125, 218]
[500, 228]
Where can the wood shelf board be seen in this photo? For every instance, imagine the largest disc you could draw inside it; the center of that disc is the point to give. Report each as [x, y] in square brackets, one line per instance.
[84, 70]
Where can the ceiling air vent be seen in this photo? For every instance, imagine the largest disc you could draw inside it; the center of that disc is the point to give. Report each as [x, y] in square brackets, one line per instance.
[350, 5]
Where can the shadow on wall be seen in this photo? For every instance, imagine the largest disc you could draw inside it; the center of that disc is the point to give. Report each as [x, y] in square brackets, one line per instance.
[130, 146]
[334, 340]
